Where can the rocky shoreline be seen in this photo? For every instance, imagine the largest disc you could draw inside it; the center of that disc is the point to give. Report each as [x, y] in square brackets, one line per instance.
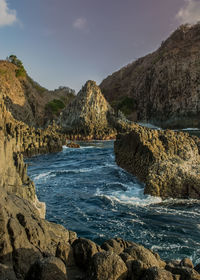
[32, 248]
[166, 161]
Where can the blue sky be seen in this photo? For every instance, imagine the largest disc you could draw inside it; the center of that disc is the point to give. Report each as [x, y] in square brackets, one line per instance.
[66, 42]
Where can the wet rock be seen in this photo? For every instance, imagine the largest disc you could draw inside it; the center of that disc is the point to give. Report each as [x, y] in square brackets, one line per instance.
[72, 145]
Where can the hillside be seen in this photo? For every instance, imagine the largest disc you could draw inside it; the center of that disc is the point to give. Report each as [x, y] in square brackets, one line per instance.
[162, 87]
[27, 100]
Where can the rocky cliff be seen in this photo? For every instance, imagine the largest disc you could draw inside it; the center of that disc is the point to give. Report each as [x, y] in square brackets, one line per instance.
[89, 116]
[162, 87]
[27, 100]
[32, 248]
[168, 162]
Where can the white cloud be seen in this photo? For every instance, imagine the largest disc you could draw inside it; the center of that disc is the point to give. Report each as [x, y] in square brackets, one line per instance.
[80, 23]
[190, 12]
[7, 16]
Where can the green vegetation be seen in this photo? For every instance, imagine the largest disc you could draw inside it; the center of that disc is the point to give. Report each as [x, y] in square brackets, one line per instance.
[126, 105]
[20, 72]
[55, 106]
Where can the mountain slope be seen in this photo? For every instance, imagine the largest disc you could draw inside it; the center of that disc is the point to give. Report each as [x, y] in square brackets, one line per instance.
[164, 86]
[26, 99]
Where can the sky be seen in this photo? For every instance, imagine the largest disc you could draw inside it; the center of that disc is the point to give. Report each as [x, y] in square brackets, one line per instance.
[67, 42]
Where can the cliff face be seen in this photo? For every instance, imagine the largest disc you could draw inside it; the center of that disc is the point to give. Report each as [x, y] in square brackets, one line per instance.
[27, 100]
[89, 116]
[166, 161]
[163, 86]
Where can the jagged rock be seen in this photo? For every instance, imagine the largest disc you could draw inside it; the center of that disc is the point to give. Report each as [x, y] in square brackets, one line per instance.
[89, 116]
[166, 161]
[107, 266]
[73, 145]
[187, 263]
[84, 249]
[162, 87]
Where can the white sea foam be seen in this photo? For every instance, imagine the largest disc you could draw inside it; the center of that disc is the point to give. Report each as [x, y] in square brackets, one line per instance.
[44, 175]
[191, 128]
[131, 200]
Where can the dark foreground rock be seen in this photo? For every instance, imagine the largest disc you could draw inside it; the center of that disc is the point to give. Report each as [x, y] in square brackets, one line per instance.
[168, 162]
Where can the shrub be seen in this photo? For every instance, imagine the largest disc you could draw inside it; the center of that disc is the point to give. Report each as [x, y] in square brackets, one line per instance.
[126, 105]
[55, 106]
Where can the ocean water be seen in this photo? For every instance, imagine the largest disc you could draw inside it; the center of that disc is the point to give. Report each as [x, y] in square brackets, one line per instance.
[86, 191]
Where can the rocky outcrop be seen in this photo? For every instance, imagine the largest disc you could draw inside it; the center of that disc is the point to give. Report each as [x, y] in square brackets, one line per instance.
[27, 100]
[89, 116]
[168, 162]
[162, 87]
[32, 248]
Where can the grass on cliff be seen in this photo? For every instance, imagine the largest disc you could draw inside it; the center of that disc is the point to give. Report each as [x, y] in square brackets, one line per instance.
[55, 106]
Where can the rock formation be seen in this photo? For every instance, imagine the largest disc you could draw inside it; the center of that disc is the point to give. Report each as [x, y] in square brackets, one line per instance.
[26, 99]
[89, 116]
[168, 162]
[32, 248]
[162, 87]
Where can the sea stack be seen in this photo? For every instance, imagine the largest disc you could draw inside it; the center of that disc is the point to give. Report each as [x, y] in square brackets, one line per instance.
[89, 115]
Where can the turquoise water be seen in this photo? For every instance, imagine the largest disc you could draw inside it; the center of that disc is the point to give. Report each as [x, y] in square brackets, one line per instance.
[88, 193]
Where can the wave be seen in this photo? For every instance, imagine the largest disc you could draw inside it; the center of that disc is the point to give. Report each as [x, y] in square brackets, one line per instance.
[133, 201]
[44, 175]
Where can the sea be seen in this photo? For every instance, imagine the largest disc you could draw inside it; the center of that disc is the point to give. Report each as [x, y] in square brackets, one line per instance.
[85, 191]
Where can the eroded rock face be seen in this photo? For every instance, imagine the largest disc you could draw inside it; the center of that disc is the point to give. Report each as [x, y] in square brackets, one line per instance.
[89, 116]
[166, 161]
[26, 99]
[164, 85]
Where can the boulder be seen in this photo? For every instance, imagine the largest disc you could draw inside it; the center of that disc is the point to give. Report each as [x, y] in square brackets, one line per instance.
[84, 250]
[107, 266]
[155, 273]
[50, 268]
